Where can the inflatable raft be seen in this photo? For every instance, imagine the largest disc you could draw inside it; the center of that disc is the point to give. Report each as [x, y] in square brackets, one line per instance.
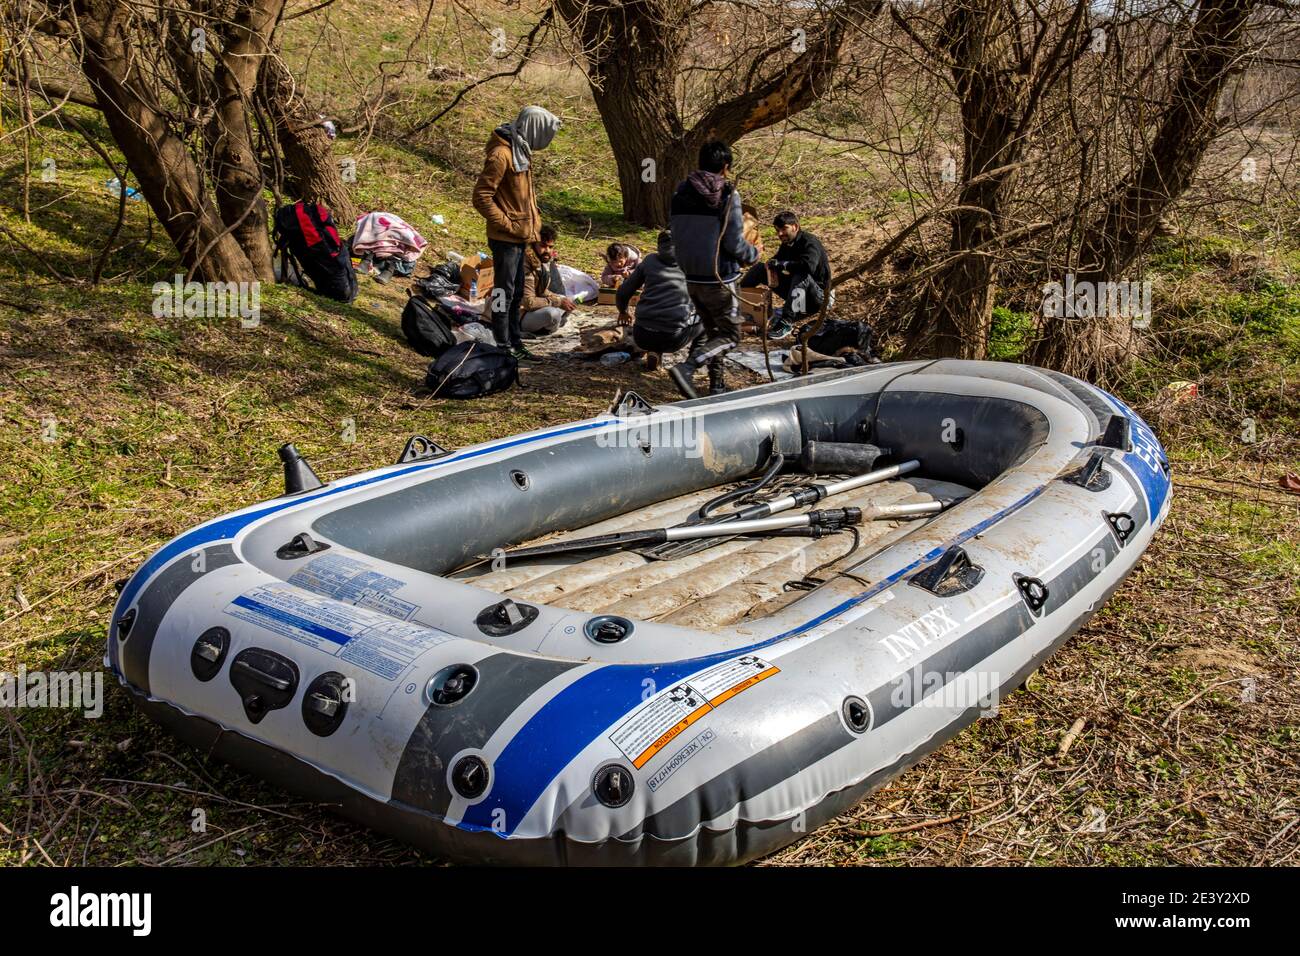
[380, 644]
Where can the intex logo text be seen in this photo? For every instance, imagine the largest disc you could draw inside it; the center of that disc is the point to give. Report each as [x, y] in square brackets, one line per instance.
[75, 908]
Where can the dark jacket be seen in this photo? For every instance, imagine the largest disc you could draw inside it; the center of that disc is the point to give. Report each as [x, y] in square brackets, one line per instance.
[665, 305]
[803, 258]
[504, 197]
[696, 221]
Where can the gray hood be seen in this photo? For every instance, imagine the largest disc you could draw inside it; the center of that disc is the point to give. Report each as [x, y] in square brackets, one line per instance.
[533, 129]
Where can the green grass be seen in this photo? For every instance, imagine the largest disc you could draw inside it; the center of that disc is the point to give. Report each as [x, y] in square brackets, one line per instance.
[1010, 333]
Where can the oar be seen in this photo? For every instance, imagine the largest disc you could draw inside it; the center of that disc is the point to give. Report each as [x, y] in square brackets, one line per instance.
[831, 518]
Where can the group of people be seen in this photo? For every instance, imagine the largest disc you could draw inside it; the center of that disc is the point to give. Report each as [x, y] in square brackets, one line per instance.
[689, 286]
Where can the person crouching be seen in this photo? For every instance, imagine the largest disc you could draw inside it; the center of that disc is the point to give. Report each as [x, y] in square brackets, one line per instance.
[665, 319]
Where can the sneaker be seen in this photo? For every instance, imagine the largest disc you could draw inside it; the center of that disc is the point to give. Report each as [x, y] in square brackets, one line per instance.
[779, 329]
[522, 354]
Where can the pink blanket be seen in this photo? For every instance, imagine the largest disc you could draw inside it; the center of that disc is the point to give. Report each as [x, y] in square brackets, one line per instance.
[383, 234]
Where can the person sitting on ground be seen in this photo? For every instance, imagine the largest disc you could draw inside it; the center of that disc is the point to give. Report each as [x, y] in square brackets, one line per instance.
[665, 320]
[620, 260]
[798, 273]
[544, 305]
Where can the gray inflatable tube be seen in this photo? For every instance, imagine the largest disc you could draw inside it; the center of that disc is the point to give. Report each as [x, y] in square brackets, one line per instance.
[330, 641]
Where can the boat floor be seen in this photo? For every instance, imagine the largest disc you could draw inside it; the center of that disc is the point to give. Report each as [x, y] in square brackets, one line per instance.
[736, 580]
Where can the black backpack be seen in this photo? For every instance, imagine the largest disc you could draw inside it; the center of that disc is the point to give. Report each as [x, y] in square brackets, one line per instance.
[472, 370]
[836, 334]
[426, 326]
[305, 233]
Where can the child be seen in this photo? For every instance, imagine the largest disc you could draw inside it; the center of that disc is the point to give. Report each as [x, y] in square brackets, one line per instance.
[620, 261]
[665, 321]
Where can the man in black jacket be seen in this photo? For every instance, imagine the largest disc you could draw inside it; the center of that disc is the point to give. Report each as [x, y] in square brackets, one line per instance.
[798, 273]
[707, 229]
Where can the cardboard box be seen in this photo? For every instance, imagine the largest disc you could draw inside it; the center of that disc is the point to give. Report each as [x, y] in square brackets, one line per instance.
[606, 294]
[754, 305]
[475, 270]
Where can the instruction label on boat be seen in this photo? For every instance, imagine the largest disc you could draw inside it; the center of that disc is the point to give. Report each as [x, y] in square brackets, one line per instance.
[368, 639]
[658, 722]
[353, 582]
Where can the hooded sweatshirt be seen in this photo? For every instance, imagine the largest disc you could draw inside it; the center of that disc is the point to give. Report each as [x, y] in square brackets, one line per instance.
[665, 305]
[699, 205]
[504, 194]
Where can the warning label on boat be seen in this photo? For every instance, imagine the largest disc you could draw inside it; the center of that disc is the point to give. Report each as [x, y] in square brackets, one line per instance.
[348, 580]
[368, 639]
[656, 724]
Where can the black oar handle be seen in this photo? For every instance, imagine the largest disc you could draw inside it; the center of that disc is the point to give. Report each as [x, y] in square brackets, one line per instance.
[622, 539]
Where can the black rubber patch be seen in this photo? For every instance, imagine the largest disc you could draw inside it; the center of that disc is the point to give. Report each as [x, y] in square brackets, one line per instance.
[1093, 476]
[301, 546]
[952, 574]
[857, 714]
[1033, 591]
[209, 653]
[324, 704]
[264, 680]
[470, 777]
[613, 785]
[505, 617]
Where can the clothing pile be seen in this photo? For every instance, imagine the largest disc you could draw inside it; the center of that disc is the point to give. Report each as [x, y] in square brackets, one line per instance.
[386, 245]
[837, 344]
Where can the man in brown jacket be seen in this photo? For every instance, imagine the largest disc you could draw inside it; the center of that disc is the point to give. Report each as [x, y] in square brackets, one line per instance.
[544, 306]
[504, 196]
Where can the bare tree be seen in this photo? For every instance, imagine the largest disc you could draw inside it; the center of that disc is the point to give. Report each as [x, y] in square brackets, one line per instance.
[178, 86]
[661, 95]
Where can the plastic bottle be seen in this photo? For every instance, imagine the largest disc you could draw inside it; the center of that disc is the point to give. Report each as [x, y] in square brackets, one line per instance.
[614, 358]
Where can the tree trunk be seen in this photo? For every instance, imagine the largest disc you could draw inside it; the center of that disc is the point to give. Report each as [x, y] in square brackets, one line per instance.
[958, 306]
[169, 179]
[236, 170]
[634, 53]
[308, 151]
[1123, 232]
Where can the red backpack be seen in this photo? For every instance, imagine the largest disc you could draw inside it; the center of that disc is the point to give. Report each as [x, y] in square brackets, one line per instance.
[306, 235]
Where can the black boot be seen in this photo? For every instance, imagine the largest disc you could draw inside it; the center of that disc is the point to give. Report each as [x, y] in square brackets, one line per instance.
[704, 352]
[717, 377]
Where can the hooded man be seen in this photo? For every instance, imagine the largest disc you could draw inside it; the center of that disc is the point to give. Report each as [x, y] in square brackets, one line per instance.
[504, 196]
[707, 225]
